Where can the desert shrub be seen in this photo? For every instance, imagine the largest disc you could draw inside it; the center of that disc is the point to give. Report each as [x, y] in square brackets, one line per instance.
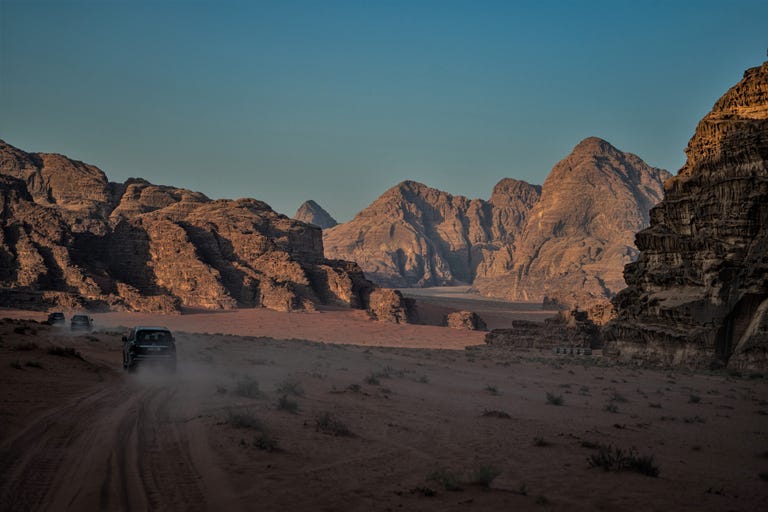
[694, 419]
[244, 419]
[763, 475]
[618, 397]
[423, 379]
[16, 365]
[540, 441]
[20, 329]
[694, 399]
[33, 364]
[483, 475]
[355, 388]
[247, 387]
[325, 422]
[64, 352]
[493, 390]
[24, 347]
[372, 379]
[265, 441]
[612, 408]
[591, 445]
[654, 405]
[286, 404]
[492, 413]
[611, 458]
[222, 390]
[445, 478]
[290, 387]
[553, 399]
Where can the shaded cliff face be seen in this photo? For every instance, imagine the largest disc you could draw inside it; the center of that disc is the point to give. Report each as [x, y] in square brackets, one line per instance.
[312, 213]
[414, 235]
[579, 235]
[73, 237]
[698, 292]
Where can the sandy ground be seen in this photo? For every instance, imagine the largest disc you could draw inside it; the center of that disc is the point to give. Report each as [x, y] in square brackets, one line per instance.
[361, 426]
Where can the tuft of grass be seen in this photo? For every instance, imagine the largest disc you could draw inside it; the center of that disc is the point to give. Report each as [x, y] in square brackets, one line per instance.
[618, 397]
[445, 478]
[355, 388]
[612, 408]
[540, 441]
[33, 364]
[611, 458]
[65, 352]
[222, 390]
[423, 379]
[325, 422]
[694, 419]
[483, 475]
[372, 379]
[265, 441]
[290, 387]
[16, 365]
[694, 399]
[247, 387]
[553, 399]
[654, 405]
[493, 390]
[492, 413]
[286, 404]
[244, 419]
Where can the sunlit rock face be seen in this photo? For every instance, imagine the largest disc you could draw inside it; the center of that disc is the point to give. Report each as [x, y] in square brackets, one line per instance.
[72, 237]
[567, 241]
[697, 294]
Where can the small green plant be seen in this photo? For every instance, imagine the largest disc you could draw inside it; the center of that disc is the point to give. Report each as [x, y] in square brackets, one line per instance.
[493, 390]
[553, 399]
[64, 352]
[286, 404]
[540, 441]
[16, 365]
[244, 419]
[247, 387]
[290, 387]
[325, 422]
[445, 478]
[492, 413]
[484, 475]
[613, 408]
[694, 399]
[611, 458]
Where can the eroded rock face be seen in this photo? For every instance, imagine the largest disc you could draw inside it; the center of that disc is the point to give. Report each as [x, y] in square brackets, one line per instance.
[697, 294]
[414, 235]
[579, 235]
[468, 320]
[312, 213]
[69, 233]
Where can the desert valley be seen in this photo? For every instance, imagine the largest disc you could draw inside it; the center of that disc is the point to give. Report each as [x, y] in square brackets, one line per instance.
[599, 342]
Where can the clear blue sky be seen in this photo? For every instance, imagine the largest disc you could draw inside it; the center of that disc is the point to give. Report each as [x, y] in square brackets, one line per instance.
[337, 101]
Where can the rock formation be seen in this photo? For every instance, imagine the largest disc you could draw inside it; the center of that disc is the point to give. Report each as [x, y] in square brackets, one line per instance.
[468, 320]
[567, 241]
[414, 235]
[698, 293]
[312, 213]
[565, 330]
[579, 235]
[71, 237]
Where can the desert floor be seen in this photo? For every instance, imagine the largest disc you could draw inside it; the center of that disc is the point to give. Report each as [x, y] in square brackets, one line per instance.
[331, 411]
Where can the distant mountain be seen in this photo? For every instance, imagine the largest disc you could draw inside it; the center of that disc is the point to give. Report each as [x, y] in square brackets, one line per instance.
[71, 238]
[567, 241]
[312, 213]
[414, 235]
[698, 293]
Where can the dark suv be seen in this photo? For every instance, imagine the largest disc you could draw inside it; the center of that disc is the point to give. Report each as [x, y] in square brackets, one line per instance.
[56, 318]
[149, 345]
[81, 323]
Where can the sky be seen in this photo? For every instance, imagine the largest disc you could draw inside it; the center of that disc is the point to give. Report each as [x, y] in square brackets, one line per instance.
[337, 101]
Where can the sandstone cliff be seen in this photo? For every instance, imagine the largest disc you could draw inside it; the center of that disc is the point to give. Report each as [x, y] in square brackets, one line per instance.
[579, 235]
[414, 235]
[698, 293]
[74, 238]
[312, 213]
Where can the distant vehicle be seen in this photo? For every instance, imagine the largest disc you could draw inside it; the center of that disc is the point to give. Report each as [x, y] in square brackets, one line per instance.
[154, 345]
[56, 318]
[81, 323]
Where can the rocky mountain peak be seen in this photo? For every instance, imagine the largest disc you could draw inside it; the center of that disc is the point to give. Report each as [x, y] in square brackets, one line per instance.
[312, 213]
